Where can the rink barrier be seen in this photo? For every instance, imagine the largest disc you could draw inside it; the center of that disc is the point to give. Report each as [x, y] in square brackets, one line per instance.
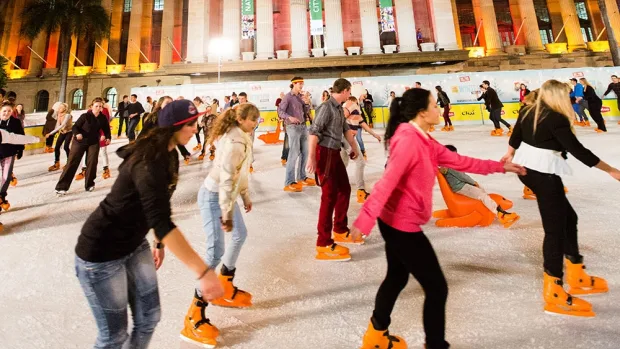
[461, 114]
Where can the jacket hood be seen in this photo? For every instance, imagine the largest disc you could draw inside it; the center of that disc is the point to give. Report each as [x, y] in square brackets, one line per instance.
[125, 151]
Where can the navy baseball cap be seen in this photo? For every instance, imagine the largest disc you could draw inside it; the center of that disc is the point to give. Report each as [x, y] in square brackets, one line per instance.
[178, 113]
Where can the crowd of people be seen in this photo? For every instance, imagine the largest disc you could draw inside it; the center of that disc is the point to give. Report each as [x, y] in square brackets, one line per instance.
[116, 266]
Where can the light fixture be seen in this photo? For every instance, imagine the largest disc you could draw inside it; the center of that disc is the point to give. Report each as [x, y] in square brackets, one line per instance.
[220, 47]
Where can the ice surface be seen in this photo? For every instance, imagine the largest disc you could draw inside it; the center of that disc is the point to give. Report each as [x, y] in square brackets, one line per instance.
[494, 274]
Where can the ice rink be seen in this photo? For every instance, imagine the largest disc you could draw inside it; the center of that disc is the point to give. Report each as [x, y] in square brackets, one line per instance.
[494, 274]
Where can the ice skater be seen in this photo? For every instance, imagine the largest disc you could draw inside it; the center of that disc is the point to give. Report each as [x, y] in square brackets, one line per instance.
[494, 106]
[64, 124]
[444, 102]
[403, 203]
[542, 136]
[8, 152]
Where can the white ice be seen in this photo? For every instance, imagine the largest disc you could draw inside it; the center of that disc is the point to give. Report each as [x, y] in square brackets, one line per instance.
[494, 274]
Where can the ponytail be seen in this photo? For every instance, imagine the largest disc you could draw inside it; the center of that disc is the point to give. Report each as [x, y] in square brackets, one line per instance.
[404, 109]
[228, 119]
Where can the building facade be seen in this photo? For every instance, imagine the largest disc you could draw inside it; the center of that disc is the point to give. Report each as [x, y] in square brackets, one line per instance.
[173, 41]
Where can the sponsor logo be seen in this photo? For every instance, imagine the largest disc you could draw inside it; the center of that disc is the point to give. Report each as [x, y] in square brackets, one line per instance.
[605, 109]
[464, 78]
[578, 74]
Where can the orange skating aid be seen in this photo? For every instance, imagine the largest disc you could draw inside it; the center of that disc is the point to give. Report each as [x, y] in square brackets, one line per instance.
[374, 339]
[579, 282]
[233, 297]
[557, 301]
[346, 238]
[198, 329]
[335, 253]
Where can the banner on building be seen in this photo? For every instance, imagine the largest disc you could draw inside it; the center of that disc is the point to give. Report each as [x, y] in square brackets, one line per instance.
[387, 16]
[247, 19]
[316, 17]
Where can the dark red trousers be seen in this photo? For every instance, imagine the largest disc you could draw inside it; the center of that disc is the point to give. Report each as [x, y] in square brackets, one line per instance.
[335, 194]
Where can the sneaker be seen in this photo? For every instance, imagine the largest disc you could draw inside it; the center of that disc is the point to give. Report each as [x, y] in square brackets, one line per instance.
[90, 189]
[346, 238]
[334, 253]
[293, 188]
[61, 192]
[308, 182]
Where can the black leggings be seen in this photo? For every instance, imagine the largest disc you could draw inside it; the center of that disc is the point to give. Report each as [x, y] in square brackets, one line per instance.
[412, 253]
[595, 112]
[558, 218]
[63, 138]
[198, 134]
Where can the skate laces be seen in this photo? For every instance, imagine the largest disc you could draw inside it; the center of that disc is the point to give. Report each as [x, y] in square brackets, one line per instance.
[204, 319]
[391, 339]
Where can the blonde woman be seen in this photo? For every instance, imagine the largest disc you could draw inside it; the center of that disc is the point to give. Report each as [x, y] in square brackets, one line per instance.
[64, 122]
[594, 104]
[220, 213]
[541, 137]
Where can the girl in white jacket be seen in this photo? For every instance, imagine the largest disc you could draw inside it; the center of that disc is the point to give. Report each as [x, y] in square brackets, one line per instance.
[218, 196]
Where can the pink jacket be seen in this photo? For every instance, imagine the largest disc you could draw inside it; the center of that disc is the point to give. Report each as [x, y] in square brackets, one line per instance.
[403, 197]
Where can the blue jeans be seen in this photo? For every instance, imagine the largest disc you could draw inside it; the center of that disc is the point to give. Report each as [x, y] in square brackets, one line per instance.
[298, 149]
[209, 205]
[131, 127]
[285, 148]
[360, 141]
[110, 286]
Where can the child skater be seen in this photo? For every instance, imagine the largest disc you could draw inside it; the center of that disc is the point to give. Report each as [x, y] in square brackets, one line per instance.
[220, 213]
[8, 152]
[207, 125]
[463, 184]
[403, 203]
[542, 136]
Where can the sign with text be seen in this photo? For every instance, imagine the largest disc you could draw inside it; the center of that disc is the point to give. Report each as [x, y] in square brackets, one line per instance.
[316, 17]
[387, 16]
[247, 19]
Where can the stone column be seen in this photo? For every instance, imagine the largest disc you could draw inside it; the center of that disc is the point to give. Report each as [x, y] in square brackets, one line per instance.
[198, 29]
[264, 29]
[232, 27]
[457, 27]
[72, 55]
[38, 45]
[334, 40]
[614, 17]
[596, 20]
[100, 59]
[6, 32]
[167, 33]
[405, 23]
[146, 29]
[442, 17]
[13, 35]
[489, 23]
[370, 28]
[533, 43]
[132, 63]
[116, 20]
[572, 27]
[299, 29]
[52, 50]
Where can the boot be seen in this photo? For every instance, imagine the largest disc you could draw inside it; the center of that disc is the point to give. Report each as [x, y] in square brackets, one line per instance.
[497, 132]
[5, 205]
[186, 160]
[201, 157]
[54, 167]
[528, 194]
[251, 169]
[346, 238]
[283, 161]
[233, 297]
[509, 131]
[332, 252]
[507, 219]
[431, 129]
[557, 301]
[587, 123]
[445, 128]
[308, 182]
[198, 147]
[106, 172]
[48, 150]
[598, 130]
[13, 180]
[364, 155]
[81, 175]
[212, 153]
[362, 195]
[579, 282]
[198, 329]
[375, 339]
[293, 188]
[451, 128]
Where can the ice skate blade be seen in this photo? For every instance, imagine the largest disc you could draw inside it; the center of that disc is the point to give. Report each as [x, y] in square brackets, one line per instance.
[586, 293]
[200, 344]
[340, 258]
[228, 304]
[350, 242]
[561, 312]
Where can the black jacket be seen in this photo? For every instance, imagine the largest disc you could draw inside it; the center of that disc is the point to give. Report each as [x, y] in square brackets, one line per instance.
[444, 101]
[135, 108]
[12, 125]
[613, 87]
[89, 125]
[589, 94]
[138, 202]
[493, 100]
[122, 106]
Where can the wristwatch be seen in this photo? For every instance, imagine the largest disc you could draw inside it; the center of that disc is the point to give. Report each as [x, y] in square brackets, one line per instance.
[159, 245]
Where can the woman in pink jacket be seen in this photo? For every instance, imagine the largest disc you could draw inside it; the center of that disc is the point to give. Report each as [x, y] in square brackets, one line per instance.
[402, 202]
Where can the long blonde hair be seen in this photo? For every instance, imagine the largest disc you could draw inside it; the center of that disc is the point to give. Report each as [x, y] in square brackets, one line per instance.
[228, 119]
[531, 97]
[553, 95]
[585, 81]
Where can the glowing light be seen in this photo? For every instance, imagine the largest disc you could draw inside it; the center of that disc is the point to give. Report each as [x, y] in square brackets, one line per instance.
[17, 73]
[114, 69]
[221, 47]
[598, 46]
[557, 48]
[475, 51]
[81, 71]
[148, 67]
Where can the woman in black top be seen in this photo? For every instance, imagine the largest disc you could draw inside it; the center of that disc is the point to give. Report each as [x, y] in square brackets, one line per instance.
[114, 263]
[86, 138]
[542, 136]
[8, 152]
[594, 104]
[444, 102]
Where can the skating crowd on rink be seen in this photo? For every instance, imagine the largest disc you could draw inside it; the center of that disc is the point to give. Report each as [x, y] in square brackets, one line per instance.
[116, 265]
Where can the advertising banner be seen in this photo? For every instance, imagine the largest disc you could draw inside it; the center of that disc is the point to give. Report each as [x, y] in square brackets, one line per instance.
[387, 16]
[247, 19]
[316, 17]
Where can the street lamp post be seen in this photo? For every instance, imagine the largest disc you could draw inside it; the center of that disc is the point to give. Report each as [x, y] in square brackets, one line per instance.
[223, 48]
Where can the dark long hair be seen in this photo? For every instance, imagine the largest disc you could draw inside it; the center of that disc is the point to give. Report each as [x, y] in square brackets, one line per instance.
[406, 108]
[154, 144]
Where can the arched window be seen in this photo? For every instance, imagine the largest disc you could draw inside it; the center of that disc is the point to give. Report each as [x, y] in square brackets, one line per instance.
[42, 102]
[112, 95]
[77, 100]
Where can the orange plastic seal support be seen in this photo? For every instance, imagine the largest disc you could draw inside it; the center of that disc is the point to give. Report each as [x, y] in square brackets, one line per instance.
[463, 211]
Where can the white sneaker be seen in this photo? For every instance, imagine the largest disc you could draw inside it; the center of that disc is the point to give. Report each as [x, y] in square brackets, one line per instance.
[61, 193]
